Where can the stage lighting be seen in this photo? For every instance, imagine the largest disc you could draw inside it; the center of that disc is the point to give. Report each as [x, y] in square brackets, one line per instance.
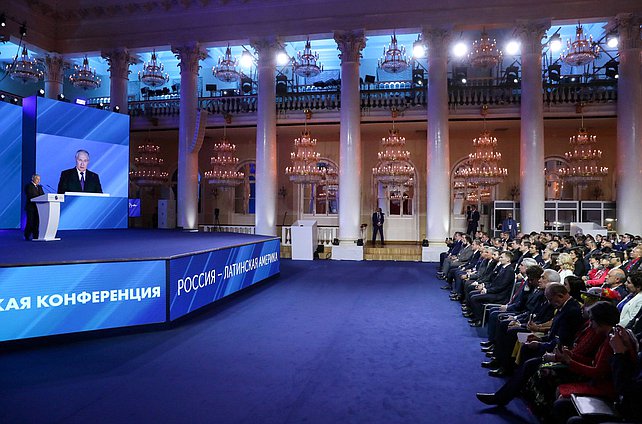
[61, 96]
[611, 40]
[281, 85]
[461, 73]
[246, 60]
[512, 48]
[3, 20]
[14, 100]
[282, 58]
[210, 87]
[246, 84]
[418, 76]
[424, 243]
[554, 73]
[81, 102]
[418, 49]
[460, 49]
[611, 69]
[2, 97]
[144, 91]
[512, 75]
[165, 91]
[555, 43]
[41, 93]
[101, 105]
[116, 109]
[335, 242]
[23, 30]
[360, 242]
[370, 79]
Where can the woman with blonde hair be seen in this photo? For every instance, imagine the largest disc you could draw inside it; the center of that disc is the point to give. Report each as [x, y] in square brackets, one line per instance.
[565, 262]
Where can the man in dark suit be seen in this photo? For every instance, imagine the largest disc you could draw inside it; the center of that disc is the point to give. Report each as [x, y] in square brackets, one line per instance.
[80, 178]
[377, 226]
[473, 221]
[32, 189]
[497, 291]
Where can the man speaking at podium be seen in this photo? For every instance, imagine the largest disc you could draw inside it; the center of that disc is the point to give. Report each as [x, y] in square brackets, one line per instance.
[32, 189]
[79, 179]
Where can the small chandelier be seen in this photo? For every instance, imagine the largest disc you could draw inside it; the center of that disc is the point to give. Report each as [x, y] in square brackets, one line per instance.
[305, 167]
[582, 51]
[394, 58]
[24, 69]
[148, 166]
[153, 74]
[583, 160]
[224, 163]
[393, 169]
[484, 53]
[84, 77]
[482, 169]
[226, 70]
[307, 64]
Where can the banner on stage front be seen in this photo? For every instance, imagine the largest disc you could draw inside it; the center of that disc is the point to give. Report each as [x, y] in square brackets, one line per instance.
[199, 280]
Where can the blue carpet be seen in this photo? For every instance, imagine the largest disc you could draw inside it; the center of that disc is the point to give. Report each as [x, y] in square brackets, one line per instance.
[114, 245]
[326, 342]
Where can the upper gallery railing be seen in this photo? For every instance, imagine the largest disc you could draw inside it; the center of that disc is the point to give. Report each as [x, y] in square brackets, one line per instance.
[389, 95]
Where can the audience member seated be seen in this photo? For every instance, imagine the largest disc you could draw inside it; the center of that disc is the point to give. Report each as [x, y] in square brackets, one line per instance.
[632, 305]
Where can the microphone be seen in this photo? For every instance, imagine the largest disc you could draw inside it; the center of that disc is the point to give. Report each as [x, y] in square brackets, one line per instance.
[50, 188]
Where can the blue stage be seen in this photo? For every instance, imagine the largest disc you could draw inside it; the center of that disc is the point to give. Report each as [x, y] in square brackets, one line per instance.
[98, 279]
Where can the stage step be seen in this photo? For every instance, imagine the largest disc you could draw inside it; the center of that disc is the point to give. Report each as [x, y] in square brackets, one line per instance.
[393, 252]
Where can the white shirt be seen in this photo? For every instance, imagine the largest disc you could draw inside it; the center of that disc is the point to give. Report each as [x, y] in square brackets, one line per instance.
[630, 310]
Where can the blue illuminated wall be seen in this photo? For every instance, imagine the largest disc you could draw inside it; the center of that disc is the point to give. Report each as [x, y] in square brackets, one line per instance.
[54, 131]
[58, 299]
[10, 165]
[199, 280]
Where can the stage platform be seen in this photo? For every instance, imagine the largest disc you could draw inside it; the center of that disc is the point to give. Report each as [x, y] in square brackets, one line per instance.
[99, 279]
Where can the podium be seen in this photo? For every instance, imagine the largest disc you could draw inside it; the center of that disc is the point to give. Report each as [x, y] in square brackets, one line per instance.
[304, 239]
[49, 215]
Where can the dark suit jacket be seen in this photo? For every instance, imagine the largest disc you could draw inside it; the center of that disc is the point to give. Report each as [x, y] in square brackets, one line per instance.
[501, 286]
[32, 191]
[69, 181]
[376, 220]
[567, 322]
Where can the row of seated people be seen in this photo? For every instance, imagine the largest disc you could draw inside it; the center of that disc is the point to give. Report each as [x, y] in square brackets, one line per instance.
[547, 333]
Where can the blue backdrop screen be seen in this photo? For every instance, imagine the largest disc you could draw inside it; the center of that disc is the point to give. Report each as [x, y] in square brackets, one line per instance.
[10, 165]
[61, 129]
[199, 280]
[58, 299]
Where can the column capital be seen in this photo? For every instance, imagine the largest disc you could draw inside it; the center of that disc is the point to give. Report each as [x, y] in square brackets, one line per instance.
[531, 34]
[189, 56]
[119, 61]
[437, 40]
[266, 48]
[350, 44]
[55, 67]
[627, 26]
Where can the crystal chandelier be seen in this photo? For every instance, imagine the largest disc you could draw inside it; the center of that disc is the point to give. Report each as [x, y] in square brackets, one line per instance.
[226, 70]
[482, 168]
[583, 160]
[484, 53]
[307, 64]
[84, 77]
[148, 166]
[24, 69]
[393, 169]
[305, 168]
[153, 74]
[224, 163]
[581, 51]
[394, 58]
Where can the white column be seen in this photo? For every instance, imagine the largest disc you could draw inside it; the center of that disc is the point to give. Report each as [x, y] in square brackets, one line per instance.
[350, 44]
[438, 149]
[629, 126]
[266, 161]
[119, 61]
[531, 153]
[188, 146]
[54, 75]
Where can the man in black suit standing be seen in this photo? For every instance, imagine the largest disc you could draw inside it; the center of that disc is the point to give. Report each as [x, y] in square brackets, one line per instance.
[32, 189]
[80, 178]
[377, 226]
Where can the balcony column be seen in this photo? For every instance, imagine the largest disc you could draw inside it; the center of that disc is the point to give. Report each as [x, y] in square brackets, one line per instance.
[438, 149]
[531, 153]
[350, 44]
[266, 153]
[629, 126]
[54, 75]
[119, 61]
[189, 57]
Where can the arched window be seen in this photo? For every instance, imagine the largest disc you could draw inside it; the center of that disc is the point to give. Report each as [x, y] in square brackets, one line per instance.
[245, 193]
[555, 187]
[321, 199]
[397, 201]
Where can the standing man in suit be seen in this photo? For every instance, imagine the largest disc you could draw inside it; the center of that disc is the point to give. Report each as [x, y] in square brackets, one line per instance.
[473, 221]
[377, 226]
[80, 178]
[32, 189]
